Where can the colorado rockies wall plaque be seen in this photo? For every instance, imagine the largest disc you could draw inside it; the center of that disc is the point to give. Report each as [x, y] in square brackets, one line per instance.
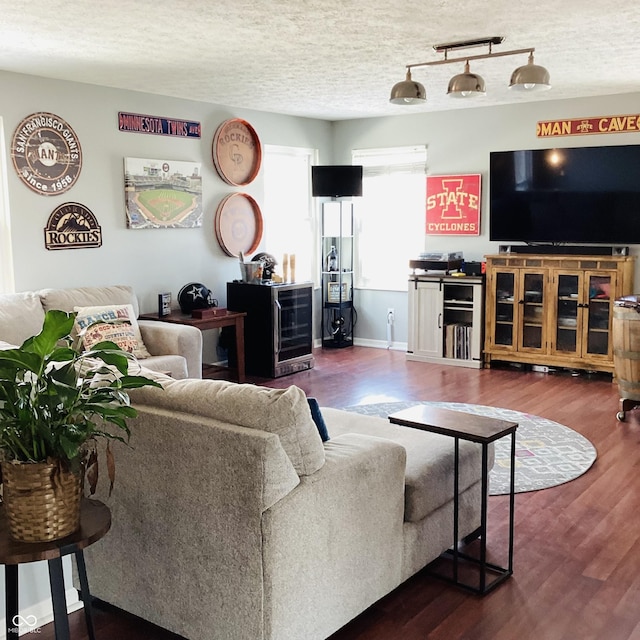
[72, 226]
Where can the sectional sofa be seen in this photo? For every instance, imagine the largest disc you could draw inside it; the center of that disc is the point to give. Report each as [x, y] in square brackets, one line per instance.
[174, 349]
[233, 520]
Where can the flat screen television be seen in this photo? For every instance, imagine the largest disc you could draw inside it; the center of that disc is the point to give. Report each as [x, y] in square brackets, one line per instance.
[585, 195]
[336, 181]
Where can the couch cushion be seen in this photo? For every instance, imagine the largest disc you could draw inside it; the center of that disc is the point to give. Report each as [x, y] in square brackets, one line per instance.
[67, 299]
[170, 365]
[92, 322]
[430, 460]
[281, 411]
[21, 316]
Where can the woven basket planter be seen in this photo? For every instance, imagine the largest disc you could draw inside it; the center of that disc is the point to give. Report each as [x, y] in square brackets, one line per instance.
[41, 499]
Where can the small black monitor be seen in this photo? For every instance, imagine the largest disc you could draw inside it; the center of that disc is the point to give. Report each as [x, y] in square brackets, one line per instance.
[336, 181]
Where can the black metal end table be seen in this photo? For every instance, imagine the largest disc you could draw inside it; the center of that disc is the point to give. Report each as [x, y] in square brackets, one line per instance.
[482, 430]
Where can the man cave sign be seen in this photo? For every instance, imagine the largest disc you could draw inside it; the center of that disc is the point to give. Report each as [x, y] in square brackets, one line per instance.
[46, 154]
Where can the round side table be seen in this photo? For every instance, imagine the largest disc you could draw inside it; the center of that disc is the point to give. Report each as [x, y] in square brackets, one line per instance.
[95, 521]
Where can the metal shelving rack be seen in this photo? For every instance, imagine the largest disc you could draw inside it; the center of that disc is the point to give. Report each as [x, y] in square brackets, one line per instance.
[338, 312]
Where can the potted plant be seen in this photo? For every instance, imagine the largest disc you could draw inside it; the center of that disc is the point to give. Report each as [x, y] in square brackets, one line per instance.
[55, 401]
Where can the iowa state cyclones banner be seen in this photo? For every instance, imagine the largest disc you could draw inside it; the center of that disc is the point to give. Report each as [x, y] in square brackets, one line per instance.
[453, 205]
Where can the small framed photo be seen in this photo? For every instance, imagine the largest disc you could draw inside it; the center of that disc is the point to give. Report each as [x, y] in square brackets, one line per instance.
[164, 304]
[337, 292]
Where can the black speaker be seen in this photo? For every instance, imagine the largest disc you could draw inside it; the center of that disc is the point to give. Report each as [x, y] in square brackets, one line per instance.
[472, 268]
[564, 249]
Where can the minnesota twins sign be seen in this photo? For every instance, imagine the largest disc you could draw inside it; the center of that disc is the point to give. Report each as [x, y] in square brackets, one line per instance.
[46, 154]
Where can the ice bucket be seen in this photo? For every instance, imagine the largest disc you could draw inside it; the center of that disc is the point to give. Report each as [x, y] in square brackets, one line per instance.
[251, 272]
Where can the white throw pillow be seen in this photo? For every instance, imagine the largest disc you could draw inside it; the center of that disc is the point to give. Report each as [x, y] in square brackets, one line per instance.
[126, 332]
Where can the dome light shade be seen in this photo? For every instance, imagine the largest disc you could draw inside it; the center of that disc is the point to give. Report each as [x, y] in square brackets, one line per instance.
[530, 77]
[466, 85]
[408, 91]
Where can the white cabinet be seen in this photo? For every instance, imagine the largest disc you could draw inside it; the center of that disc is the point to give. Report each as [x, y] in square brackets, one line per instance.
[446, 320]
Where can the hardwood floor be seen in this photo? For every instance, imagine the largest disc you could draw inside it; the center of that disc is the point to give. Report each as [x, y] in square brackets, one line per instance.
[577, 546]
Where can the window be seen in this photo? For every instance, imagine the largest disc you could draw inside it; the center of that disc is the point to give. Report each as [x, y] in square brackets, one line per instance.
[390, 216]
[289, 212]
[7, 284]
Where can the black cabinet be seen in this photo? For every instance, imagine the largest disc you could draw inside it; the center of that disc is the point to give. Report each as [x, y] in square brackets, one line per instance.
[278, 329]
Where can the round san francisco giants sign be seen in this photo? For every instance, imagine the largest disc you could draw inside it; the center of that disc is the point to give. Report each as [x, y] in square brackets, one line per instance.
[46, 154]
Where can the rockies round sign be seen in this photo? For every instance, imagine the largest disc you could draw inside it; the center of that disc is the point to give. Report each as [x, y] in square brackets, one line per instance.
[46, 154]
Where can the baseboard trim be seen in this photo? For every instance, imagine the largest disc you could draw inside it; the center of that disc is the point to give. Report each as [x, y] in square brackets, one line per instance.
[380, 344]
[366, 342]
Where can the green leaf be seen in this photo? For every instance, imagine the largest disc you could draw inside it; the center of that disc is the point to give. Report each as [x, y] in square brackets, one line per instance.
[13, 360]
[135, 382]
[69, 447]
[57, 325]
[110, 355]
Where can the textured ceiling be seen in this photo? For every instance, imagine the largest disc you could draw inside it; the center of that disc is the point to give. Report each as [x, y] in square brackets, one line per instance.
[330, 59]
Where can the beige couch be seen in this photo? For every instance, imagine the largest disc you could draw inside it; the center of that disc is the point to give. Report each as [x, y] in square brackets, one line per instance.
[232, 520]
[174, 349]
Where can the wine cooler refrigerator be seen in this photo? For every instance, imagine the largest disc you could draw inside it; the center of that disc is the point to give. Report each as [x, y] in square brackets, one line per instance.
[278, 329]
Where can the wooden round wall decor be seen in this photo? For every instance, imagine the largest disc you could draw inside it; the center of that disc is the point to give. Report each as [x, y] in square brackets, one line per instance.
[238, 224]
[237, 153]
[46, 154]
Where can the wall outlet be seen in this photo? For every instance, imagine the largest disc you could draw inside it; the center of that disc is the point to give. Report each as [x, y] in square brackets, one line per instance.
[540, 368]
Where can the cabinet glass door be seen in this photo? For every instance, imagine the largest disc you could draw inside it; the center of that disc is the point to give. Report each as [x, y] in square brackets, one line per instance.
[293, 327]
[532, 315]
[599, 313]
[568, 306]
[504, 311]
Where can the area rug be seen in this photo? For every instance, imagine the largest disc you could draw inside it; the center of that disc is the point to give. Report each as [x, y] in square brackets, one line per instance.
[547, 453]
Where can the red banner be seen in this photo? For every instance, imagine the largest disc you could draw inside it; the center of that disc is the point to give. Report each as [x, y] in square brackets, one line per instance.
[588, 126]
[453, 205]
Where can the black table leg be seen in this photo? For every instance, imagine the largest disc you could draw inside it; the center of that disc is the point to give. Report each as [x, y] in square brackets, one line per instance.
[56, 579]
[85, 596]
[456, 505]
[483, 518]
[512, 495]
[11, 599]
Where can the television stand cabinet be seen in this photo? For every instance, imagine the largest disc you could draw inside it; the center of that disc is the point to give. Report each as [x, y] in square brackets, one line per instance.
[553, 310]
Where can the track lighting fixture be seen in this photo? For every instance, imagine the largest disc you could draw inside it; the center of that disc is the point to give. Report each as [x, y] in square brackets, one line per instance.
[529, 77]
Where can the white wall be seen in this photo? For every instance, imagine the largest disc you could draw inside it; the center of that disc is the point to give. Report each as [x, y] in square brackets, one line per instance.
[153, 260]
[459, 141]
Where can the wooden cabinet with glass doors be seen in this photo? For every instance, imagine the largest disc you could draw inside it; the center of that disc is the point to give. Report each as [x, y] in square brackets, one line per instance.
[553, 310]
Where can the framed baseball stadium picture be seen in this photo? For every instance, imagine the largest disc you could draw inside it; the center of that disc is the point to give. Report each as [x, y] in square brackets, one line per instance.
[162, 194]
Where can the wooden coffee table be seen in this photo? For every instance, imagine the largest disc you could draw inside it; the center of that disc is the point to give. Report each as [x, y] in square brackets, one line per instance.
[482, 430]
